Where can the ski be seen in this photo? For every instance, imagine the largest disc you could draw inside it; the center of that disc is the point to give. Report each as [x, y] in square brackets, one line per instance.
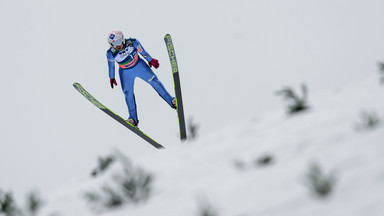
[177, 86]
[99, 105]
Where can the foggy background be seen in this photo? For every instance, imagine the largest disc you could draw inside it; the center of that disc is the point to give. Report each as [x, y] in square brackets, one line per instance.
[232, 57]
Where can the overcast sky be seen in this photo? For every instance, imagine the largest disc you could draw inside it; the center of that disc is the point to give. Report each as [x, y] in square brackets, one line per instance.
[233, 56]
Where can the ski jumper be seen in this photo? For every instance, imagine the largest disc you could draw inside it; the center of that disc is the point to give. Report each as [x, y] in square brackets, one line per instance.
[130, 67]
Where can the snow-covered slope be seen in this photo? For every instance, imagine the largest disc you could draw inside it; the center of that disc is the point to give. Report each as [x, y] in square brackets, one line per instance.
[221, 172]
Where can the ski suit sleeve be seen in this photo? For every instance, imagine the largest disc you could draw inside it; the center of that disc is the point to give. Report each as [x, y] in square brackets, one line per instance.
[141, 50]
[111, 64]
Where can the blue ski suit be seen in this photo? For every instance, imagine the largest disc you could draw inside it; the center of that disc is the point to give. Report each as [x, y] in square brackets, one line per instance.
[130, 67]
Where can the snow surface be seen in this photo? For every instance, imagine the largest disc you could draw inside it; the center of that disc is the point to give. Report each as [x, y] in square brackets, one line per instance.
[219, 170]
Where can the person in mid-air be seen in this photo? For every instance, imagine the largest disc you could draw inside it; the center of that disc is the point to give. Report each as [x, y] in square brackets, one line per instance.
[126, 53]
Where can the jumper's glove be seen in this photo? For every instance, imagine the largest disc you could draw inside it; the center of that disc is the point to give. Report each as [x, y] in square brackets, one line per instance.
[113, 81]
[154, 63]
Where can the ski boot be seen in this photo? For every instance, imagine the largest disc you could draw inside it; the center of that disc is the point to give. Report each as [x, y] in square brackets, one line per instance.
[174, 103]
[132, 122]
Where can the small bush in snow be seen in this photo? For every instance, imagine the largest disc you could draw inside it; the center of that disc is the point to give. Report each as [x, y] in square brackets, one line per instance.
[368, 121]
[192, 129]
[34, 203]
[381, 70]
[296, 103]
[103, 165]
[206, 209]
[112, 197]
[240, 165]
[320, 184]
[130, 186]
[264, 160]
[8, 204]
[136, 185]
[93, 197]
[207, 212]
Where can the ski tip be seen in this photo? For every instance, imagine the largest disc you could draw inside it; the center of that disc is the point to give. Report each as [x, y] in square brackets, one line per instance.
[76, 85]
[167, 37]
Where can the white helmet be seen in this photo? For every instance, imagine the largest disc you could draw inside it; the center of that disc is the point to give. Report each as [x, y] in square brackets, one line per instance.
[116, 38]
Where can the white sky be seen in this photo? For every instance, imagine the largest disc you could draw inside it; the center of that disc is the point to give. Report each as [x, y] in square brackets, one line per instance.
[232, 56]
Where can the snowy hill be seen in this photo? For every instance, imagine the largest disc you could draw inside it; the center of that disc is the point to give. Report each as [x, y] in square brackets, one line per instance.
[261, 166]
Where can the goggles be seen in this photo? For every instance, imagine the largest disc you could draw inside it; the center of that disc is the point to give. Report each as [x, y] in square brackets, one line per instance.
[117, 43]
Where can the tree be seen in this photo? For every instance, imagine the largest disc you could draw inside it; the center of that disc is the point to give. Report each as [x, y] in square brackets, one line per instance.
[296, 103]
